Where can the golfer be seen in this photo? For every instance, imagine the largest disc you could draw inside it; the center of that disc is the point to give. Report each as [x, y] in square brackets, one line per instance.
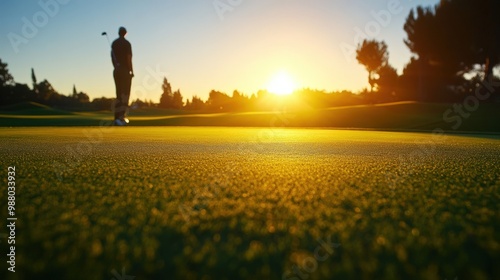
[121, 56]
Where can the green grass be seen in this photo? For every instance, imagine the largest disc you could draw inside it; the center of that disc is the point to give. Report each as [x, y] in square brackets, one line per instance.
[31, 109]
[393, 116]
[251, 203]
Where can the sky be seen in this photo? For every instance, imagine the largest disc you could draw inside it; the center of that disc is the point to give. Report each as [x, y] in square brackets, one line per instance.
[200, 45]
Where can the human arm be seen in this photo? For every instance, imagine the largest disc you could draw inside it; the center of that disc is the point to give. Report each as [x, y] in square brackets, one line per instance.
[129, 61]
[113, 59]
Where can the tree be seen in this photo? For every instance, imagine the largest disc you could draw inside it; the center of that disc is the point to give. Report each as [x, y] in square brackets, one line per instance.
[177, 102]
[138, 104]
[239, 101]
[387, 83]
[6, 78]
[410, 81]
[373, 55]
[197, 103]
[427, 75]
[381, 76]
[445, 55]
[47, 94]
[35, 84]
[218, 100]
[492, 46]
[167, 96]
[12, 94]
[82, 98]
[194, 104]
[103, 103]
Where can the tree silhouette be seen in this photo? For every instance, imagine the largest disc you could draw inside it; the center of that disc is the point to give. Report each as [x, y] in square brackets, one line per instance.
[239, 101]
[445, 55]
[6, 81]
[218, 101]
[34, 82]
[82, 98]
[6, 78]
[373, 55]
[177, 102]
[387, 83]
[196, 103]
[437, 63]
[47, 94]
[421, 33]
[492, 46]
[103, 103]
[167, 95]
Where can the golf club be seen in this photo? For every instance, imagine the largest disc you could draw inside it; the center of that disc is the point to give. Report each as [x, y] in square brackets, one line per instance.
[109, 42]
[106, 34]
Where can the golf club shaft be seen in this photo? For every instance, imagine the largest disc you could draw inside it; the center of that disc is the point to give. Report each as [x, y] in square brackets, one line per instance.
[109, 42]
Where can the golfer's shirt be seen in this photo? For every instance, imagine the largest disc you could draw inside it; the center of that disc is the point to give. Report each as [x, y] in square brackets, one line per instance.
[120, 50]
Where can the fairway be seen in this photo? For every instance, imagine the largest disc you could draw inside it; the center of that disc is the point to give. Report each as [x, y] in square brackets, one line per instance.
[396, 116]
[251, 203]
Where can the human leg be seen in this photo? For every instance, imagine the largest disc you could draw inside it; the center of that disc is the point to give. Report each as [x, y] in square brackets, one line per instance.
[122, 83]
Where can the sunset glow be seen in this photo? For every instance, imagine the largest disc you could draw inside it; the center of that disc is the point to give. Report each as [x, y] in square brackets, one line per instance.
[242, 46]
[281, 84]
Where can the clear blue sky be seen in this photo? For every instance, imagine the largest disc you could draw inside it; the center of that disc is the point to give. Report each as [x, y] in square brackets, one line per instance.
[196, 46]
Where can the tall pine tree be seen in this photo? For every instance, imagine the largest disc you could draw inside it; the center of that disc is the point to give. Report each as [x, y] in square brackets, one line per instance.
[35, 83]
[167, 96]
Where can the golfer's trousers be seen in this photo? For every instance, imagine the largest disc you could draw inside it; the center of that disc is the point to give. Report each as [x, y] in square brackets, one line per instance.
[123, 81]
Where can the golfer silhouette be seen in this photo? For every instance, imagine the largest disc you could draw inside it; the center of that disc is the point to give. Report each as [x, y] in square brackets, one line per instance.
[121, 56]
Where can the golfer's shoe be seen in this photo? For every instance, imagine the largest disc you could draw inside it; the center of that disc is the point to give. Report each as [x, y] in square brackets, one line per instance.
[119, 122]
[125, 120]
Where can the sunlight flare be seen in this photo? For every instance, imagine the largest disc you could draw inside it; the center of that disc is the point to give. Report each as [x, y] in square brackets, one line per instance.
[281, 84]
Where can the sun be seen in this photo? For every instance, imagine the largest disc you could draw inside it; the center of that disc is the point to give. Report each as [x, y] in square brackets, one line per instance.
[281, 84]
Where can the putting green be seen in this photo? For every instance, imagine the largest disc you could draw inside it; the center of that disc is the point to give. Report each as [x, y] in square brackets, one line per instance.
[247, 203]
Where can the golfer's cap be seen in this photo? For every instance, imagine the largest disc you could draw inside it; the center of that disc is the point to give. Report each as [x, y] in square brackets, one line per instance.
[122, 31]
